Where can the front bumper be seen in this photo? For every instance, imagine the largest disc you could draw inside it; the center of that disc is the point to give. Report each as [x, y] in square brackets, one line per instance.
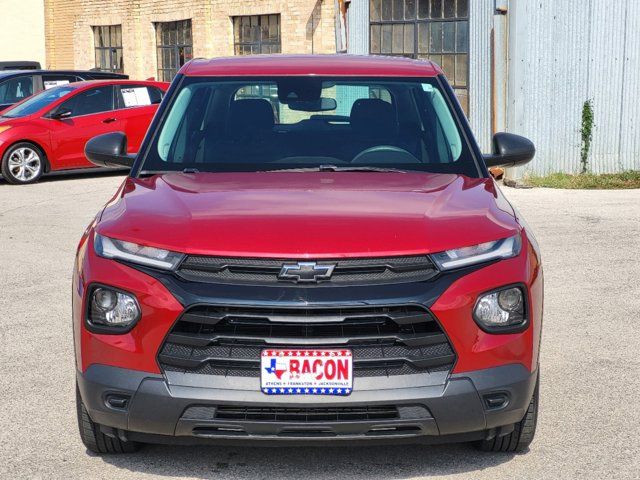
[163, 298]
[451, 407]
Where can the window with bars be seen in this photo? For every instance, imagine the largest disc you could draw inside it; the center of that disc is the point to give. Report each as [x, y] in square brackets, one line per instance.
[175, 47]
[108, 48]
[256, 34]
[437, 30]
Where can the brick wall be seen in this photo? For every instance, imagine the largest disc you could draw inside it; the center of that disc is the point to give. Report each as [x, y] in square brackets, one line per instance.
[58, 18]
[306, 26]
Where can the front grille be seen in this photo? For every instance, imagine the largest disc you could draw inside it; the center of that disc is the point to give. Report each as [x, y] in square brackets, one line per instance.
[353, 271]
[306, 415]
[385, 341]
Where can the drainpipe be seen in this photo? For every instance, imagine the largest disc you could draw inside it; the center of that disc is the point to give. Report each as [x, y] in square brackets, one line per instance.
[499, 66]
[317, 6]
[341, 7]
[498, 44]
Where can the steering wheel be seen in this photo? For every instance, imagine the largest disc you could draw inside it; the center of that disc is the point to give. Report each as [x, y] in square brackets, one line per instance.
[384, 154]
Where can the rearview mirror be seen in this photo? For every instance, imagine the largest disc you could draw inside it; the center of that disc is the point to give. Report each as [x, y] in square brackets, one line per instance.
[61, 113]
[323, 104]
[510, 150]
[109, 150]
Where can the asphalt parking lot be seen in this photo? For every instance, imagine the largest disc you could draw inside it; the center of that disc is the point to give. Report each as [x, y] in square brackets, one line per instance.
[590, 396]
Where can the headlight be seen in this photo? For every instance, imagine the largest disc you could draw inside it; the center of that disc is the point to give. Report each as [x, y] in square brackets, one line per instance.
[4, 128]
[110, 310]
[501, 311]
[484, 252]
[132, 252]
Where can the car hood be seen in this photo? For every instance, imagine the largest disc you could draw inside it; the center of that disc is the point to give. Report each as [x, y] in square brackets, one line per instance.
[15, 122]
[308, 215]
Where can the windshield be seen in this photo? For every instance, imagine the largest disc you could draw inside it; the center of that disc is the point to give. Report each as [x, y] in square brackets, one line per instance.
[308, 122]
[37, 102]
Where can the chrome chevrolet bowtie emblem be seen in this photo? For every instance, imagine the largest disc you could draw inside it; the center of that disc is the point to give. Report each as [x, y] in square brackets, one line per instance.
[305, 272]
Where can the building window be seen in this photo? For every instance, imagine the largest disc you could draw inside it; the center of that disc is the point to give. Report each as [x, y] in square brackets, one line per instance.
[437, 30]
[175, 47]
[256, 34]
[108, 45]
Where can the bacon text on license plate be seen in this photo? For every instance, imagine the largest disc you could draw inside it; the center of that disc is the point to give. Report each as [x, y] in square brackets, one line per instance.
[306, 372]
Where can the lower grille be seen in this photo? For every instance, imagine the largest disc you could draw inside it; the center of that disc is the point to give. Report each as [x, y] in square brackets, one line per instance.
[385, 341]
[307, 415]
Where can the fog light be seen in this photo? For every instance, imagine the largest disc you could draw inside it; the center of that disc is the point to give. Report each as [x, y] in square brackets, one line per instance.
[105, 299]
[510, 299]
[502, 311]
[112, 309]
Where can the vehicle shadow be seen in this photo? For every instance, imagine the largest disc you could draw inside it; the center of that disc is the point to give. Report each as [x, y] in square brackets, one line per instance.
[379, 462]
[88, 173]
[73, 175]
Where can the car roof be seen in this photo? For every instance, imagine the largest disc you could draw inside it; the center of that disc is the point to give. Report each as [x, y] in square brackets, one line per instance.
[341, 65]
[27, 71]
[6, 73]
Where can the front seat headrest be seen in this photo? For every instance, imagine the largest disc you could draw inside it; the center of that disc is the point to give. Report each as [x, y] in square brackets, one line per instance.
[250, 115]
[373, 117]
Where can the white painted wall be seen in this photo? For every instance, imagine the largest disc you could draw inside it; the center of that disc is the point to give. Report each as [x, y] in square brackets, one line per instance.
[22, 30]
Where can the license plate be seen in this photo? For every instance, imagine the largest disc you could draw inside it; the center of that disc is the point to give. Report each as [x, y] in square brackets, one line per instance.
[306, 372]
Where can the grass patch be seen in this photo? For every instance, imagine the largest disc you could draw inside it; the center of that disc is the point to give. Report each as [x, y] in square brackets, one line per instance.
[611, 181]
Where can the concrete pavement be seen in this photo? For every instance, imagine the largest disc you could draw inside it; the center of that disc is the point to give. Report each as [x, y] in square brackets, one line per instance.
[589, 424]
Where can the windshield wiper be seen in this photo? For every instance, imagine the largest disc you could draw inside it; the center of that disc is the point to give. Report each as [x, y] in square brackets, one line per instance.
[336, 168]
[362, 168]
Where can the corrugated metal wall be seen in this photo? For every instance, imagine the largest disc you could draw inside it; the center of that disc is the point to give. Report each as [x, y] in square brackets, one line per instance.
[560, 54]
[358, 27]
[563, 53]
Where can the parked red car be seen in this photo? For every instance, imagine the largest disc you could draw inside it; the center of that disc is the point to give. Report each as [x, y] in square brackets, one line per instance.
[48, 131]
[308, 249]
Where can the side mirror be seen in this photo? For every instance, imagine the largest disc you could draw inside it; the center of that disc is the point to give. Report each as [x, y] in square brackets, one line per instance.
[61, 113]
[109, 150]
[510, 150]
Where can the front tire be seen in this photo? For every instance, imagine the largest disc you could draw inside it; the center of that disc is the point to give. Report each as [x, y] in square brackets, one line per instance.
[23, 163]
[519, 440]
[94, 439]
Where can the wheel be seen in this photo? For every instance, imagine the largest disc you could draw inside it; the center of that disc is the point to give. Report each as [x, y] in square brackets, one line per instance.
[94, 439]
[523, 433]
[23, 163]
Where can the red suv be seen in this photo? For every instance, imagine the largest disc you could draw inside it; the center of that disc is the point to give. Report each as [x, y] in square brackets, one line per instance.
[48, 131]
[308, 249]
